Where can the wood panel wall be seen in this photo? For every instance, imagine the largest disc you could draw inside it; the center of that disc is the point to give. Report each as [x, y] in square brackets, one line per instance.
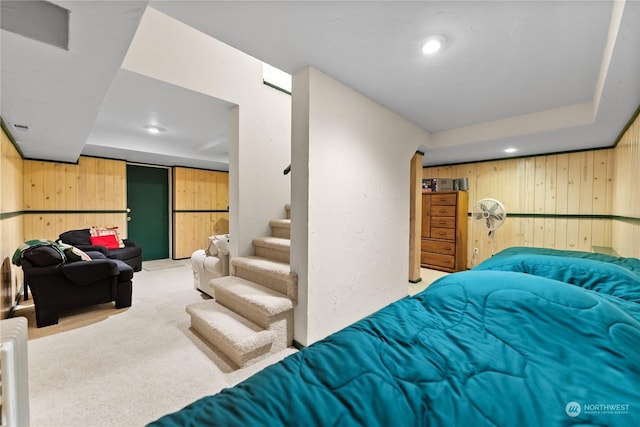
[201, 208]
[577, 184]
[11, 227]
[62, 196]
[626, 198]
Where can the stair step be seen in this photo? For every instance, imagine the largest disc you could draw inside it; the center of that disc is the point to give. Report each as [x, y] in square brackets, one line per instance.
[237, 338]
[276, 248]
[281, 228]
[267, 301]
[275, 275]
[266, 308]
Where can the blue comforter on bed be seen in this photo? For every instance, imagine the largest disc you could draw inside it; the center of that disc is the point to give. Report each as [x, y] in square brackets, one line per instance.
[478, 348]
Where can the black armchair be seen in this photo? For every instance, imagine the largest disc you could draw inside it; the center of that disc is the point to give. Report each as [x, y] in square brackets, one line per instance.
[81, 239]
[57, 285]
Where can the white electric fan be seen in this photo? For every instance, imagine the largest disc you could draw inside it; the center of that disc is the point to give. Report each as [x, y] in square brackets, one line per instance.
[490, 215]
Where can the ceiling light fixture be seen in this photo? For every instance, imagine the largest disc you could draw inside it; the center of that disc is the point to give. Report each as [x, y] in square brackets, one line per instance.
[510, 150]
[434, 44]
[154, 129]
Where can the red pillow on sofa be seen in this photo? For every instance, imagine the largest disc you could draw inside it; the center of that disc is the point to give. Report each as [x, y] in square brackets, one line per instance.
[109, 241]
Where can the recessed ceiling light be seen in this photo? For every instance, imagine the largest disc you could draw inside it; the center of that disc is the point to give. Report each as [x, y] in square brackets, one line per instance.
[154, 129]
[510, 150]
[434, 44]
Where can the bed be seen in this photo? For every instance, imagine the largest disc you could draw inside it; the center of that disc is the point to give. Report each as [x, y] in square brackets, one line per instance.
[507, 343]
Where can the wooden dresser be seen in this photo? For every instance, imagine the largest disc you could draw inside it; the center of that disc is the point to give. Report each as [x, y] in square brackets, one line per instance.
[444, 230]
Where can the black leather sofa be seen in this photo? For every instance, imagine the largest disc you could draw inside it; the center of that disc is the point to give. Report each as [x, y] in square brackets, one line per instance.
[58, 285]
[81, 239]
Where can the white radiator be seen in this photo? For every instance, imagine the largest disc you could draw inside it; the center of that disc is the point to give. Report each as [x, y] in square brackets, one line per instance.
[14, 373]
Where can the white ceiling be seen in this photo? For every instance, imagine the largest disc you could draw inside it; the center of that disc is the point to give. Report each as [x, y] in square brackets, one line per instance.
[541, 76]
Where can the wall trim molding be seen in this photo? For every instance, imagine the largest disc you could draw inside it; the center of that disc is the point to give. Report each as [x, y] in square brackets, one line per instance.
[573, 216]
[201, 210]
[4, 215]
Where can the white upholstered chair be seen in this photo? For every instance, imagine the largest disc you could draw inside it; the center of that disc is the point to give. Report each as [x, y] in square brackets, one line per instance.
[210, 263]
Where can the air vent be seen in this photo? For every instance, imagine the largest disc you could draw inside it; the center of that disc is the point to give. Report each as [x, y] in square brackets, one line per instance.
[37, 20]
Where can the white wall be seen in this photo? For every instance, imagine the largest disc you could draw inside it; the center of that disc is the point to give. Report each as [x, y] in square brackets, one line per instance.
[260, 127]
[350, 219]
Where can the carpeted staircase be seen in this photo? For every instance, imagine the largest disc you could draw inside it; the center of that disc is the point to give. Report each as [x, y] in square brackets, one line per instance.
[252, 314]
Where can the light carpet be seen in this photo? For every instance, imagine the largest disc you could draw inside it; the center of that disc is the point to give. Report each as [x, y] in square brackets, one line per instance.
[127, 367]
[428, 277]
[161, 264]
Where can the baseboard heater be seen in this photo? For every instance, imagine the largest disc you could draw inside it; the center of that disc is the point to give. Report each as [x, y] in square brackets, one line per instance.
[14, 375]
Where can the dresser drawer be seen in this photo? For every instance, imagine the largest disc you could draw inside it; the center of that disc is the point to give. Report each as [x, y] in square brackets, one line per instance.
[443, 222]
[437, 260]
[443, 210]
[437, 246]
[443, 233]
[443, 199]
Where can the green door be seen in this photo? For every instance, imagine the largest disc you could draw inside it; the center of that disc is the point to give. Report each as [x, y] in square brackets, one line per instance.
[148, 201]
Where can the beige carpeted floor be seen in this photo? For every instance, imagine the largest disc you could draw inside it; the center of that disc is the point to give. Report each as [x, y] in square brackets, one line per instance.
[428, 276]
[106, 367]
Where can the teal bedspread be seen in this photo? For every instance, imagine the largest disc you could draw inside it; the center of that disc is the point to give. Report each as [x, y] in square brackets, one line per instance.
[478, 348]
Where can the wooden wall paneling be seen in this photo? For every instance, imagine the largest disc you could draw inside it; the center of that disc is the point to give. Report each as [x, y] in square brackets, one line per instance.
[179, 190]
[509, 192]
[573, 235]
[59, 194]
[34, 185]
[610, 187]
[222, 223]
[488, 185]
[48, 186]
[550, 184]
[586, 182]
[182, 235]
[549, 231]
[599, 201]
[625, 200]
[192, 189]
[222, 191]
[88, 166]
[562, 184]
[561, 234]
[193, 228]
[71, 186]
[573, 184]
[627, 164]
[119, 180]
[11, 202]
[540, 174]
[538, 232]
[185, 241]
[201, 190]
[596, 182]
[81, 183]
[584, 237]
[601, 232]
[104, 179]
